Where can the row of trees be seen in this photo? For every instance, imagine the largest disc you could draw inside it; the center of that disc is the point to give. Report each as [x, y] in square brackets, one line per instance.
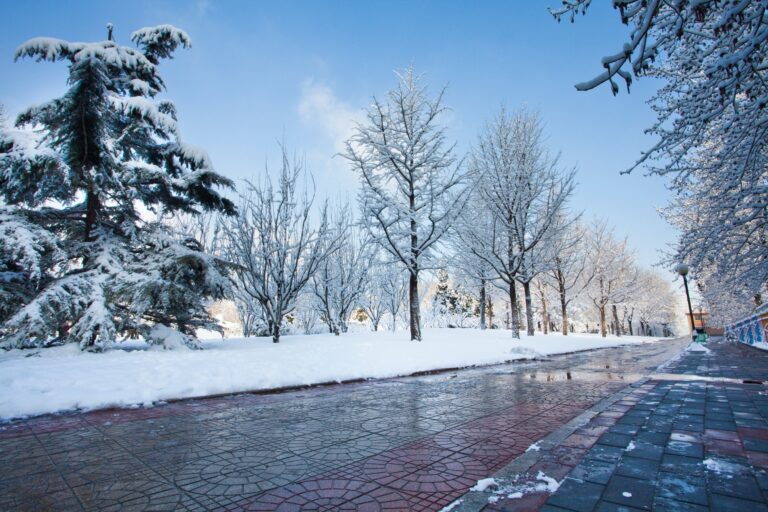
[112, 227]
[500, 217]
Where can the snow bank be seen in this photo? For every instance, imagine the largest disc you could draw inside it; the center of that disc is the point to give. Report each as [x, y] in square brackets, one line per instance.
[484, 484]
[535, 447]
[63, 378]
[519, 487]
[451, 506]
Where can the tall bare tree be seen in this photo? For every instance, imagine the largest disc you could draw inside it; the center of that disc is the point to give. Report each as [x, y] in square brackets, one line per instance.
[569, 273]
[612, 267]
[411, 179]
[524, 188]
[273, 244]
[340, 279]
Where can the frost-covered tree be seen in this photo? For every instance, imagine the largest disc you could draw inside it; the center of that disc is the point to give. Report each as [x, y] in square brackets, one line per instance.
[712, 57]
[726, 301]
[274, 246]
[394, 291]
[373, 300]
[467, 256]
[657, 304]
[76, 173]
[524, 189]
[340, 279]
[568, 274]
[411, 180]
[612, 270]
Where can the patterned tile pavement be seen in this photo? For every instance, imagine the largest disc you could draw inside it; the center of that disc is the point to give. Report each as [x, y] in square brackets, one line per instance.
[673, 444]
[401, 444]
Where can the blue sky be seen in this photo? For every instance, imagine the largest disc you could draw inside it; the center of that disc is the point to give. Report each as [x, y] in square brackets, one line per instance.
[301, 71]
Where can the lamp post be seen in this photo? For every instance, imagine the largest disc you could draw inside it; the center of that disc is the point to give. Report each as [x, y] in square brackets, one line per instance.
[682, 269]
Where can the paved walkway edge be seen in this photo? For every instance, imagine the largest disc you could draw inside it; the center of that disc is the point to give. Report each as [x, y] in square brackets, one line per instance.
[474, 501]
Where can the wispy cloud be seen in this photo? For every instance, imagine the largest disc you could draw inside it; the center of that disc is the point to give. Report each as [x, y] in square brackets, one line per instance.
[319, 107]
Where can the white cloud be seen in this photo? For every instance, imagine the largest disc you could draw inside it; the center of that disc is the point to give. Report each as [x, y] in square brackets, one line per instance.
[320, 108]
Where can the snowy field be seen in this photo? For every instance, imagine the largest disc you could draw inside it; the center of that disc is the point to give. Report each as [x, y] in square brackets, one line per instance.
[63, 378]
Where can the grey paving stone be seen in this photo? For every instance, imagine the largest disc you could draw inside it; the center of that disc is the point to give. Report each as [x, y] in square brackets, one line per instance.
[615, 439]
[630, 492]
[721, 503]
[657, 438]
[606, 506]
[644, 469]
[595, 471]
[720, 425]
[671, 505]
[643, 450]
[682, 487]
[576, 495]
[739, 486]
[624, 429]
[686, 449]
[605, 453]
[683, 465]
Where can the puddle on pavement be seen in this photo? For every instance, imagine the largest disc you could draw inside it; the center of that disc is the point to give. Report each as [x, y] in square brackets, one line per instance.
[564, 376]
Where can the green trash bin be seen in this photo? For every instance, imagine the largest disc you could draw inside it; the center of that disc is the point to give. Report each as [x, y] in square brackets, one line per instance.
[702, 337]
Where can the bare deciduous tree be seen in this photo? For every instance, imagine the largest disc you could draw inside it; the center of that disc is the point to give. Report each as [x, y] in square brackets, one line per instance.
[523, 187]
[411, 179]
[611, 266]
[273, 246]
[341, 278]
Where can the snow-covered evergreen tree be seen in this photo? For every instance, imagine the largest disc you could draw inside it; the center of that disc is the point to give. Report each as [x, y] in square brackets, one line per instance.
[76, 172]
[410, 177]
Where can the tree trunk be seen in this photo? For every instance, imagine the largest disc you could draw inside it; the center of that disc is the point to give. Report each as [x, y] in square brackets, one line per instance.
[544, 313]
[603, 332]
[276, 332]
[490, 314]
[531, 328]
[91, 214]
[616, 320]
[514, 317]
[564, 309]
[482, 304]
[413, 298]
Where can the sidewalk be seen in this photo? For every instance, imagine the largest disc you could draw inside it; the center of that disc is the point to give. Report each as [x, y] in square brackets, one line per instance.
[693, 437]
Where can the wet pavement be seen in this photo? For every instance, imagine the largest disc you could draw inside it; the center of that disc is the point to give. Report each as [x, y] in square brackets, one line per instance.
[401, 444]
[692, 438]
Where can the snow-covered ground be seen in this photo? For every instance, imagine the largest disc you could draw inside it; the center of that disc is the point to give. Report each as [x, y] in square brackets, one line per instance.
[63, 378]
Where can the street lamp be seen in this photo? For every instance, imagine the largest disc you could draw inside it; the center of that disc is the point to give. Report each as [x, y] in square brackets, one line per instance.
[682, 269]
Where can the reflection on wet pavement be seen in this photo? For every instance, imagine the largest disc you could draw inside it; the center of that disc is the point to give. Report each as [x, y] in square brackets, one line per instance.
[409, 443]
